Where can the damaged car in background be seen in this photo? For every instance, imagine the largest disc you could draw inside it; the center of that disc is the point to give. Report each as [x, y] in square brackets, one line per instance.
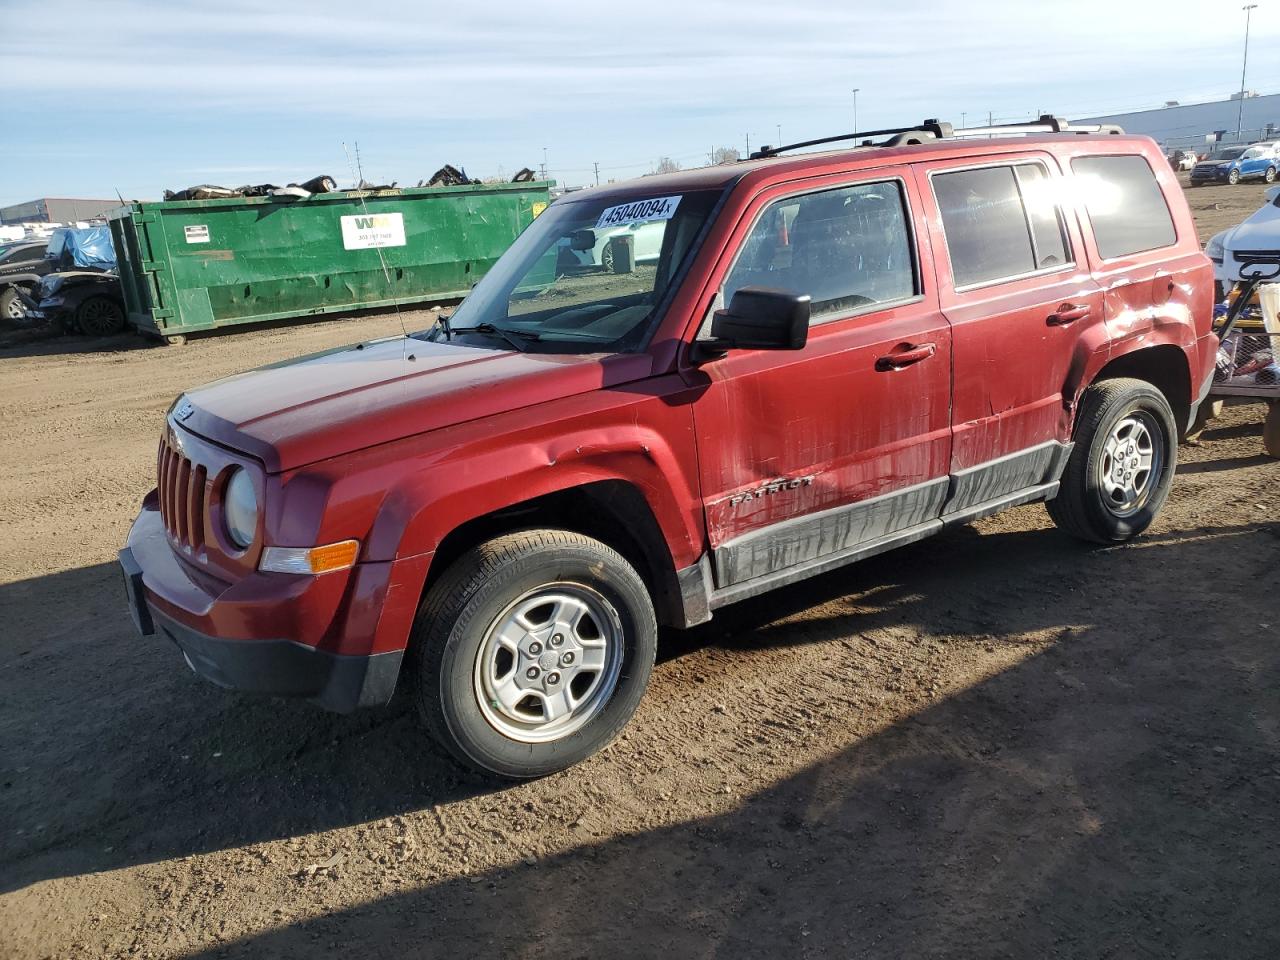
[82, 292]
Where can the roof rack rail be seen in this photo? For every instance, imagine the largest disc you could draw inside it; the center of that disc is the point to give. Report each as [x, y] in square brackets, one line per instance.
[931, 130]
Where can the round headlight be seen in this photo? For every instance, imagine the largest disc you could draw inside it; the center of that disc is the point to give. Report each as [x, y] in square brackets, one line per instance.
[240, 509]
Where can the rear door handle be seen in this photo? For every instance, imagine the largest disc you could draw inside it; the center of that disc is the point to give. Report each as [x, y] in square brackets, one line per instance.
[904, 358]
[1068, 313]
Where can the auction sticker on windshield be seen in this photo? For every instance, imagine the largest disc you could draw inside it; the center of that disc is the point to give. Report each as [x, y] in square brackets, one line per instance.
[661, 208]
[367, 230]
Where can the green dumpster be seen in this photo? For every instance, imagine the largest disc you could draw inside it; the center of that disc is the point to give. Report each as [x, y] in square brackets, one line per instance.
[189, 265]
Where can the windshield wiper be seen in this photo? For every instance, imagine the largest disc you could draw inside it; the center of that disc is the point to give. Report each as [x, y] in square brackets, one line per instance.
[502, 333]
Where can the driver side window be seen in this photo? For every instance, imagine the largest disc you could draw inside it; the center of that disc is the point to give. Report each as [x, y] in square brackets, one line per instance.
[848, 248]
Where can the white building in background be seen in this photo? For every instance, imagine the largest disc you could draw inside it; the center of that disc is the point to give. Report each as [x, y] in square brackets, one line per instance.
[1201, 126]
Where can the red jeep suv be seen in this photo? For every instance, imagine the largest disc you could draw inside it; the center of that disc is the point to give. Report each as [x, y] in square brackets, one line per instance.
[832, 354]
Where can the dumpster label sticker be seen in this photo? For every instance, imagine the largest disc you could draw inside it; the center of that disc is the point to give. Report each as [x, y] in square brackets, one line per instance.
[662, 208]
[197, 233]
[368, 230]
[539, 207]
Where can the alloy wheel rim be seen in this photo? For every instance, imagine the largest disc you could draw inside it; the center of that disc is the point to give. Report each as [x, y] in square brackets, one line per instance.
[14, 310]
[1130, 465]
[549, 663]
[99, 317]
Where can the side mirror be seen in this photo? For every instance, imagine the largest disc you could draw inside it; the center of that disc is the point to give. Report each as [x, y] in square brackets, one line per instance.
[582, 240]
[761, 318]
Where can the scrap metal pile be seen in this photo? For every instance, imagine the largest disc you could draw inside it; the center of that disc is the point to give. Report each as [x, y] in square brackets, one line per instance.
[446, 176]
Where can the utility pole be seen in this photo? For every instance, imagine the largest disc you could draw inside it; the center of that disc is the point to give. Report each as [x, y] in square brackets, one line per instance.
[962, 116]
[779, 134]
[989, 120]
[748, 144]
[1244, 66]
[544, 164]
[597, 166]
[855, 108]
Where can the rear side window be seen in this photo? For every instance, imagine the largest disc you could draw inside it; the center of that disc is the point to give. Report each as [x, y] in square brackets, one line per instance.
[1126, 205]
[848, 249]
[1000, 222]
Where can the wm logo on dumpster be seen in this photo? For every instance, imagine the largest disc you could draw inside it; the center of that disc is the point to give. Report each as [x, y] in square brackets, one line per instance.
[367, 230]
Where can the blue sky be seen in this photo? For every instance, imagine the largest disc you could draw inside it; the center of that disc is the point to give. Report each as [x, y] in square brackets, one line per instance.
[135, 97]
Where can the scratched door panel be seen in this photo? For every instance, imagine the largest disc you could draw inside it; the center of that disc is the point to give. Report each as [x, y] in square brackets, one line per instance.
[784, 435]
[1016, 286]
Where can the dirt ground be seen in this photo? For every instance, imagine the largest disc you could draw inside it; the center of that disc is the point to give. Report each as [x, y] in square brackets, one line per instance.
[998, 742]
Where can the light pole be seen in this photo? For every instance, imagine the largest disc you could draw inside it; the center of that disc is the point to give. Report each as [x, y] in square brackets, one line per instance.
[1244, 66]
[779, 134]
[855, 108]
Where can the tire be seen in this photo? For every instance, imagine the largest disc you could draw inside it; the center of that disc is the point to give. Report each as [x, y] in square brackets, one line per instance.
[1233, 177]
[11, 307]
[1089, 504]
[1270, 175]
[1271, 430]
[606, 257]
[99, 317]
[482, 701]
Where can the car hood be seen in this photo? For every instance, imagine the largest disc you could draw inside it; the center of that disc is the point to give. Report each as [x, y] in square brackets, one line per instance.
[328, 404]
[1260, 232]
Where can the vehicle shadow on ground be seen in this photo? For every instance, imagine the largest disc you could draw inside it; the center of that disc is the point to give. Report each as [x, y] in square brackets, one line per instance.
[111, 754]
[1112, 795]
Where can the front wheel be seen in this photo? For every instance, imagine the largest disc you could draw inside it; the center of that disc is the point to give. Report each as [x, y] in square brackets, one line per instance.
[1270, 175]
[1123, 463]
[532, 652]
[1233, 177]
[11, 307]
[99, 317]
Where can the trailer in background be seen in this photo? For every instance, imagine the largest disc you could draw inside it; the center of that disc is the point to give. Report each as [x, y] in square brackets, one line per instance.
[189, 265]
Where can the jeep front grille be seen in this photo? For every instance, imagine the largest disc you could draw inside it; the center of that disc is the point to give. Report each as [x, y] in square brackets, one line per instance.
[181, 485]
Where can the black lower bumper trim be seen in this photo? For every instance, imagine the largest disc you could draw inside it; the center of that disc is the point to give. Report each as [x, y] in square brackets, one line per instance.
[286, 668]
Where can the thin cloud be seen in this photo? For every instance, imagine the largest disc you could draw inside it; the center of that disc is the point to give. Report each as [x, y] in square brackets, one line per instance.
[181, 87]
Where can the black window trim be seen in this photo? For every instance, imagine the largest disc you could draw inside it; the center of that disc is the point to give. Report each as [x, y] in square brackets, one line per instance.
[1012, 163]
[1084, 207]
[834, 316]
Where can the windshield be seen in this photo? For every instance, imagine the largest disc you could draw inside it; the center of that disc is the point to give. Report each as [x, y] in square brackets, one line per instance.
[1230, 154]
[587, 276]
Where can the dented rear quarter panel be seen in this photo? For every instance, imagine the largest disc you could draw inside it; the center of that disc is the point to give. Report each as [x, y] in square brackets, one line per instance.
[1152, 298]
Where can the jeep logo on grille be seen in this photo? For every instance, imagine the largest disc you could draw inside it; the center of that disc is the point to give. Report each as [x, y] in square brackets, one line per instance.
[184, 410]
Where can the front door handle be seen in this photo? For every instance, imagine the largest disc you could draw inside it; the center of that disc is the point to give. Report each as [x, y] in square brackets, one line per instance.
[904, 358]
[1068, 313]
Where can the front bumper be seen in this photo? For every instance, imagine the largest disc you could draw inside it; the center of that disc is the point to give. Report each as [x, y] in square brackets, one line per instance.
[337, 639]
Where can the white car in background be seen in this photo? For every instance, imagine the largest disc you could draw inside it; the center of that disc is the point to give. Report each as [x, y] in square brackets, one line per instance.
[648, 245]
[1260, 232]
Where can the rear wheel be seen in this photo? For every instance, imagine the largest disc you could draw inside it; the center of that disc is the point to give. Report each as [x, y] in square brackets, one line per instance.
[99, 317]
[532, 652]
[1123, 463]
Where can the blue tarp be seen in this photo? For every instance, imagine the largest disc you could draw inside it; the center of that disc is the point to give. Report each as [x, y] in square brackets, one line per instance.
[82, 249]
